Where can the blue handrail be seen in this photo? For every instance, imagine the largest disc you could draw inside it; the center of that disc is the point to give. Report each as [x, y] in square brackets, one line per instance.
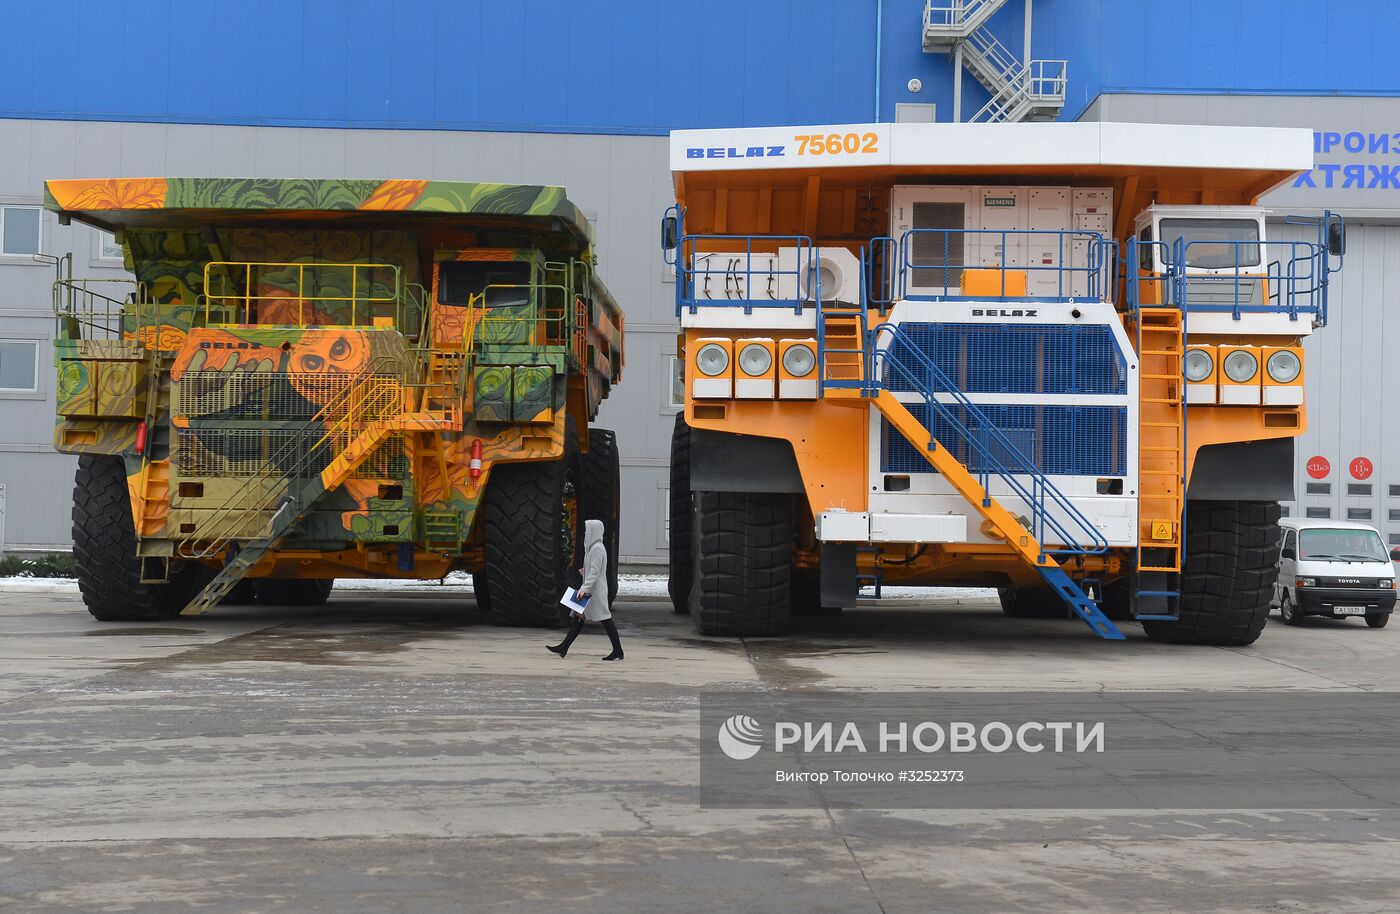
[697, 256]
[1099, 269]
[987, 434]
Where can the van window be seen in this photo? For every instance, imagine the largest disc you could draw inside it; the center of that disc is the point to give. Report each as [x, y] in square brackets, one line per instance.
[1291, 541]
[1322, 545]
[1211, 241]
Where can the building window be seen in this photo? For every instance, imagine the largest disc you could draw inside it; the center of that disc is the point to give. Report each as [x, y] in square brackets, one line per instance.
[1395, 513]
[19, 365]
[1285, 511]
[1395, 491]
[1358, 488]
[19, 230]
[1319, 512]
[1358, 513]
[1395, 539]
[1319, 488]
[108, 248]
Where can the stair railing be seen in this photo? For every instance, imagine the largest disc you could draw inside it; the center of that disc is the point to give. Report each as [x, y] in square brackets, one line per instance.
[377, 394]
[1039, 495]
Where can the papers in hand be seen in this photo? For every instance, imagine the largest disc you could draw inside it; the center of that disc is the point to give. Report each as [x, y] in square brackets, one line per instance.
[575, 603]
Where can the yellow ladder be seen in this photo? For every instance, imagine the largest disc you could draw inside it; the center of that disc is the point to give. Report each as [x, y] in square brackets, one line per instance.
[1161, 440]
[844, 347]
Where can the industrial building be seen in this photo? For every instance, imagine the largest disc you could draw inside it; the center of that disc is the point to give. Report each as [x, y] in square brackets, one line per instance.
[582, 94]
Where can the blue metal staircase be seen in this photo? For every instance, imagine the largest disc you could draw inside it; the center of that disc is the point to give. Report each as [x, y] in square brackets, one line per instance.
[1056, 528]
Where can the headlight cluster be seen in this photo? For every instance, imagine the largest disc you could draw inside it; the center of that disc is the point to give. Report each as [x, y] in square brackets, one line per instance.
[1231, 375]
[754, 369]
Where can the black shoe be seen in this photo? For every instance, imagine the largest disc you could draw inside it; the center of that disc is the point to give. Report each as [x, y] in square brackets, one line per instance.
[559, 649]
[615, 655]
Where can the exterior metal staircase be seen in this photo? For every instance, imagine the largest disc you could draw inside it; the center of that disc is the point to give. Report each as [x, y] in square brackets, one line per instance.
[1056, 528]
[345, 432]
[1161, 466]
[1020, 91]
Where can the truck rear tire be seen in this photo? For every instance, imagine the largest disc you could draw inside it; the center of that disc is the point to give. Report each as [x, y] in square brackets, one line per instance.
[742, 546]
[681, 569]
[293, 591]
[482, 591]
[1032, 603]
[533, 536]
[602, 494]
[104, 550]
[1228, 576]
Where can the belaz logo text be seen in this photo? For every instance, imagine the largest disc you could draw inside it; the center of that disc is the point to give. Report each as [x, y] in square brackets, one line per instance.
[734, 152]
[1005, 312]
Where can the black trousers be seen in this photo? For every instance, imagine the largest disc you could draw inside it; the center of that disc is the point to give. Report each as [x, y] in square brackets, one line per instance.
[608, 626]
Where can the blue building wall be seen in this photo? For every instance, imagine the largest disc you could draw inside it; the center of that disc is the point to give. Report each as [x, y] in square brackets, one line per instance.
[639, 66]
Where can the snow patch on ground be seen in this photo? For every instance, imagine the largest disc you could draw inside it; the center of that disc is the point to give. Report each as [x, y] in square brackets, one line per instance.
[638, 586]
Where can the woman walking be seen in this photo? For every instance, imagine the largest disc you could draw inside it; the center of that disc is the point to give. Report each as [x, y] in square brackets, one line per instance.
[594, 586]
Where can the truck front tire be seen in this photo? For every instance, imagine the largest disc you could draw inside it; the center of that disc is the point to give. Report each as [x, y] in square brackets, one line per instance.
[104, 550]
[742, 548]
[533, 536]
[1032, 603]
[1228, 575]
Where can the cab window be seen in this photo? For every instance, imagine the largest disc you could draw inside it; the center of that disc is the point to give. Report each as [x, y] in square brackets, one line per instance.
[504, 283]
[1215, 244]
[1145, 249]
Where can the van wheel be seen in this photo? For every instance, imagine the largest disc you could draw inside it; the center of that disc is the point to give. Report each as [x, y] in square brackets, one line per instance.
[1288, 611]
[1228, 576]
[1377, 620]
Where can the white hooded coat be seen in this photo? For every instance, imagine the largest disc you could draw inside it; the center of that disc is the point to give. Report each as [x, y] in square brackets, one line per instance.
[595, 572]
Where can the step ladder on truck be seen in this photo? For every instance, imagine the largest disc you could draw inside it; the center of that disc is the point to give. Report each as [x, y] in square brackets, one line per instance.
[916, 378]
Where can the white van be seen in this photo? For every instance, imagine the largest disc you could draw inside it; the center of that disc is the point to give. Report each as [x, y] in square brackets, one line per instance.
[1333, 568]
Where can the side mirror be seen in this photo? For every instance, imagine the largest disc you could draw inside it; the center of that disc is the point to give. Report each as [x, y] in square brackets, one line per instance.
[1336, 237]
[669, 233]
[1289, 553]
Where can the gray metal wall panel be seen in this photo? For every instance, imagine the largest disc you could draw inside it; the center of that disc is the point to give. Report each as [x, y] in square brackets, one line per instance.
[623, 181]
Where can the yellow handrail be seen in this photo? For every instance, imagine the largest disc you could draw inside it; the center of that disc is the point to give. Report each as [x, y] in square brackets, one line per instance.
[243, 304]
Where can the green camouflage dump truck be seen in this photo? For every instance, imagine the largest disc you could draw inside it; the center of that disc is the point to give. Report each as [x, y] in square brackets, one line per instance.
[314, 379]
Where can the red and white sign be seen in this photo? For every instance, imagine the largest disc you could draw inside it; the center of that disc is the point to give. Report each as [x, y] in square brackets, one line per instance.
[1361, 468]
[1319, 467]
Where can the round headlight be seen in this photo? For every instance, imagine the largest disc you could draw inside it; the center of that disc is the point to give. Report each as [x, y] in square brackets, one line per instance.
[1284, 366]
[1197, 365]
[712, 359]
[755, 359]
[799, 361]
[1240, 366]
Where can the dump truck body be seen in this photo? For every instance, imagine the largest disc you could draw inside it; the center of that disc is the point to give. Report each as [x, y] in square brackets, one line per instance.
[955, 353]
[317, 379]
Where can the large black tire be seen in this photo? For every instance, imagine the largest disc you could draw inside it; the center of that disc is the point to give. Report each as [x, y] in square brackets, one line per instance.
[742, 543]
[680, 523]
[533, 537]
[1378, 620]
[293, 591]
[1032, 603]
[104, 550]
[1227, 580]
[601, 498]
[481, 588]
